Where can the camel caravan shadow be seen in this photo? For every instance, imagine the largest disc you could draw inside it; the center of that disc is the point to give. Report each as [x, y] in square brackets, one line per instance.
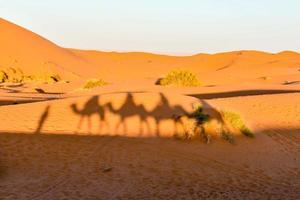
[145, 115]
[151, 119]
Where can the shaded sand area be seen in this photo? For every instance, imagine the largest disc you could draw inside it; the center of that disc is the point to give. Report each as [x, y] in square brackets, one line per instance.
[118, 141]
[87, 167]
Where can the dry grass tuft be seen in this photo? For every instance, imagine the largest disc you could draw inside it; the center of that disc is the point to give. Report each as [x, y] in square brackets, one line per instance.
[180, 78]
[203, 126]
[93, 83]
[236, 122]
[16, 75]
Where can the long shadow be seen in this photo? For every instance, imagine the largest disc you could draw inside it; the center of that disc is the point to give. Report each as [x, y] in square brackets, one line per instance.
[291, 83]
[161, 112]
[38, 91]
[24, 101]
[13, 100]
[239, 93]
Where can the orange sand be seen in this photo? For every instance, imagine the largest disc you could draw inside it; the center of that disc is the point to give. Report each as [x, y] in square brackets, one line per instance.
[116, 141]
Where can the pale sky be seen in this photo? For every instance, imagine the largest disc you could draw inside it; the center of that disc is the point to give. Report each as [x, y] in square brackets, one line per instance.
[162, 26]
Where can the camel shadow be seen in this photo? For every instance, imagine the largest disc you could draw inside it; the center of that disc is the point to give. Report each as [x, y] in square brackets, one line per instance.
[164, 111]
[91, 107]
[130, 109]
[161, 112]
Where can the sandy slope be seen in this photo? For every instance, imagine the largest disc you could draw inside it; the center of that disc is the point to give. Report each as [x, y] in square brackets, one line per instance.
[47, 166]
[33, 54]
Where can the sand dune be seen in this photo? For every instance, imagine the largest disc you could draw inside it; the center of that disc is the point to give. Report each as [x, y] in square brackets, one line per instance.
[235, 66]
[58, 141]
[34, 54]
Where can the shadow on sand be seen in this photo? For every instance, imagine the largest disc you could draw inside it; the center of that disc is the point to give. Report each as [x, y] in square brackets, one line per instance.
[57, 164]
[239, 93]
[162, 111]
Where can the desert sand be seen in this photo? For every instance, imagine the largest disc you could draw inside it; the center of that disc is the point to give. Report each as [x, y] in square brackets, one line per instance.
[59, 141]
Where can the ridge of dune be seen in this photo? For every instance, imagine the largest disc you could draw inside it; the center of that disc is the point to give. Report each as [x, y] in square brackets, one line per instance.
[21, 48]
[233, 65]
[289, 53]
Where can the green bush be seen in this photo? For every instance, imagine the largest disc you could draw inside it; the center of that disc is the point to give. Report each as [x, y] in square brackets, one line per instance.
[180, 78]
[193, 125]
[199, 115]
[236, 122]
[93, 83]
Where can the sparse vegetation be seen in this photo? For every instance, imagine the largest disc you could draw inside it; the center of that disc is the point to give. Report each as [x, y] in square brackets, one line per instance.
[11, 75]
[227, 136]
[3, 76]
[201, 125]
[199, 115]
[93, 83]
[192, 125]
[16, 75]
[180, 78]
[236, 122]
[247, 132]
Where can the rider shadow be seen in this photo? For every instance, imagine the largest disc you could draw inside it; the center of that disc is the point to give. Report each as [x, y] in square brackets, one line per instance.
[42, 120]
[130, 109]
[164, 111]
[161, 112]
[90, 108]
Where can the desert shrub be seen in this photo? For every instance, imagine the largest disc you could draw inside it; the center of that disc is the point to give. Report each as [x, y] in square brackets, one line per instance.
[3, 76]
[16, 75]
[199, 115]
[235, 120]
[180, 78]
[200, 125]
[193, 125]
[93, 83]
[188, 126]
[227, 136]
[247, 132]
